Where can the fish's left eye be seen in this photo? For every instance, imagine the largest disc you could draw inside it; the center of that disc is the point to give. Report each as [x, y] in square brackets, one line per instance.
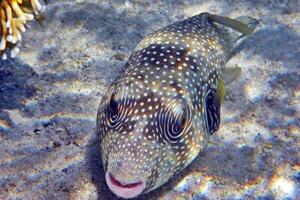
[178, 125]
[173, 124]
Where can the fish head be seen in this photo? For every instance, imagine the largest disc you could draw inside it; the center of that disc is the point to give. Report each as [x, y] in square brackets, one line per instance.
[145, 137]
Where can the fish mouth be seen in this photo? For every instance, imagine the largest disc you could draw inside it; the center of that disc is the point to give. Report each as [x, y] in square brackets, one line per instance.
[122, 189]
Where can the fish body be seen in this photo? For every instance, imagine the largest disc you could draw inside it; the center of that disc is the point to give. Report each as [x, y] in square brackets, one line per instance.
[159, 112]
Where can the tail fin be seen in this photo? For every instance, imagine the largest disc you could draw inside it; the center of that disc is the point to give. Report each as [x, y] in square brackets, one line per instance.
[243, 24]
[233, 29]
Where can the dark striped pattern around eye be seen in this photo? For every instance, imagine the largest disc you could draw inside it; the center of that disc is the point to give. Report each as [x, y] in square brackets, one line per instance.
[116, 109]
[172, 125]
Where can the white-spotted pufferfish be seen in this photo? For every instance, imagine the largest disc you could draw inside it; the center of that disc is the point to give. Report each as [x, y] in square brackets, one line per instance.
[157, 115]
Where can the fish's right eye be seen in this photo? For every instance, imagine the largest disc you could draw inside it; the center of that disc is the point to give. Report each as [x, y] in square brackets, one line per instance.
[113, 106]
[113, 113]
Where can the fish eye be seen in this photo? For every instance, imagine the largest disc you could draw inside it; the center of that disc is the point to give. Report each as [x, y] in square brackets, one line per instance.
[113, 106]
[178, 125]
[173, 125]
[112, 110]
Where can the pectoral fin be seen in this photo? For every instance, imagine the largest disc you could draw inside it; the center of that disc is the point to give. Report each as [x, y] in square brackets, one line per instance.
[231, 74]
[221, 91]
[212, 111]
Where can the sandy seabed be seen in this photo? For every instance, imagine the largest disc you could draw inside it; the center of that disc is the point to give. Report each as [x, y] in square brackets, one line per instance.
[49, 97]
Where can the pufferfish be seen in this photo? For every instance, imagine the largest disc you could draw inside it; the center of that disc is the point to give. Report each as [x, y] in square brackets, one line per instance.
[157, 115]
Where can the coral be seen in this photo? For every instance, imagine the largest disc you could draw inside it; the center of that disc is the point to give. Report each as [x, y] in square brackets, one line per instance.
[14, 14]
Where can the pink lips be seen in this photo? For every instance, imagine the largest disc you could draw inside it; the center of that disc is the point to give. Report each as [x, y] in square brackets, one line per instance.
[123, 190]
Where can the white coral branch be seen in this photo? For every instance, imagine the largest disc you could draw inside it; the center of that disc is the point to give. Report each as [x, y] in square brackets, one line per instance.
[14, 14]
